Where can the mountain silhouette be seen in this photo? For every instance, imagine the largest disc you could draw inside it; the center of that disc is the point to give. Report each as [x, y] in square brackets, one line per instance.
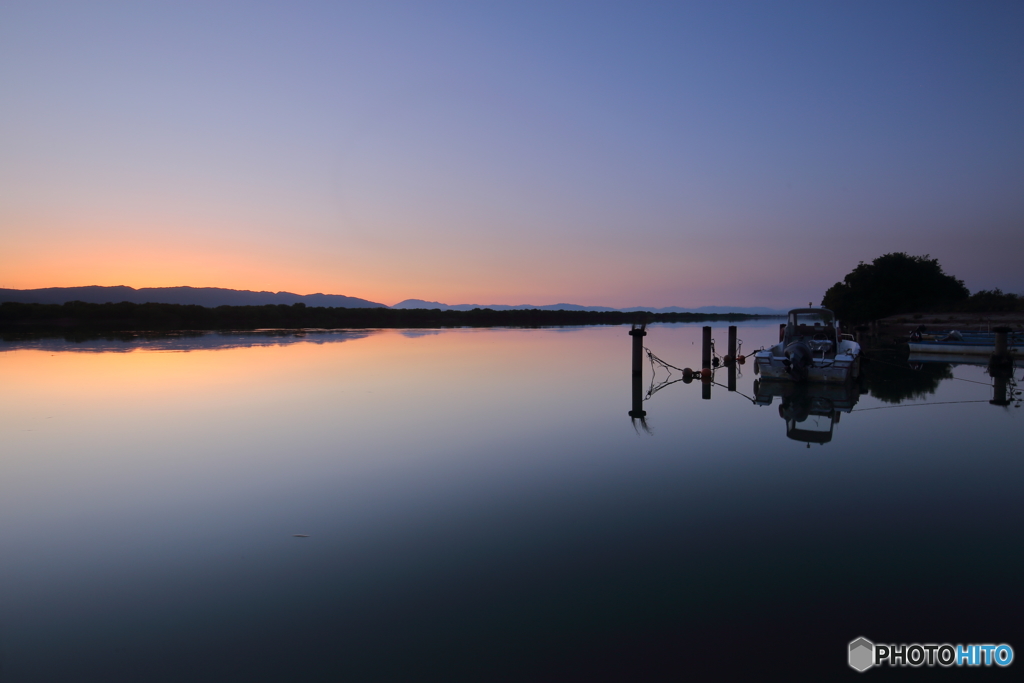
[751, 310]
[200, 296]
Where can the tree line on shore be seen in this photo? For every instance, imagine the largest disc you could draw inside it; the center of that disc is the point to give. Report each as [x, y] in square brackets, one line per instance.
[898, 283]
[77, 317]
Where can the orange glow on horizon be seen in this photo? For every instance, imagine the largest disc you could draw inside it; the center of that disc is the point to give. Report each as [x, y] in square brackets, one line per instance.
[76, 254]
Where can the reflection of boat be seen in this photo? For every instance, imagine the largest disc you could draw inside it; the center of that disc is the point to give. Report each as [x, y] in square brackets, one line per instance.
[968, 343]
[811, 411]
[811, 350]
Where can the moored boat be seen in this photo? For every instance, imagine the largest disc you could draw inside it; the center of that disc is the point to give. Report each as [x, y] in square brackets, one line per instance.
[811, 350]
[963, 343]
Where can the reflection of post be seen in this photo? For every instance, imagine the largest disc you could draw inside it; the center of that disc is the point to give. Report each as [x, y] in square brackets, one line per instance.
[999, 390]
[638, 399]
[732, 377]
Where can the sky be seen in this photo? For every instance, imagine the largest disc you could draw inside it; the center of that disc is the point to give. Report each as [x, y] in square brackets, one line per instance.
[617, 154]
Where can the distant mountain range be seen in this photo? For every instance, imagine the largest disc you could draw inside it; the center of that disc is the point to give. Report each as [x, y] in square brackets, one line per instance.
[201, 296]
[751, 310]
[215, 296]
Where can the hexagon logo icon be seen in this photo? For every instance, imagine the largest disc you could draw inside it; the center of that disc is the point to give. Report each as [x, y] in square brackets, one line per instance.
[862, 654]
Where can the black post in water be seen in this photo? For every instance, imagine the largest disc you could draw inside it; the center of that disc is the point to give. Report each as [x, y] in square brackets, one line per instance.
[1002, 347]
[705, 349]
[638, 334]
[1000, 365]
[730, 358]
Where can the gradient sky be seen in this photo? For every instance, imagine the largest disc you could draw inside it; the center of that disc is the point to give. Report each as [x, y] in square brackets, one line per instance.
[614, 154]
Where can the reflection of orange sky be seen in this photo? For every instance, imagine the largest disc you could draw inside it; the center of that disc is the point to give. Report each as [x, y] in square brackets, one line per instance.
[282, 391]
[159, 377]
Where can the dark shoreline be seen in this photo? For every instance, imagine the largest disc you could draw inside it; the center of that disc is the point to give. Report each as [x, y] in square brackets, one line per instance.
[76, 319]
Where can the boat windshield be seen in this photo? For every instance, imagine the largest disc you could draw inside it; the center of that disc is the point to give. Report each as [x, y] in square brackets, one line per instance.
[812, 318]
[816, 324]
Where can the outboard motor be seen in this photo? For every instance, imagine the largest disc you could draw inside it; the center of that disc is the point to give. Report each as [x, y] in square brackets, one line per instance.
[798, 359]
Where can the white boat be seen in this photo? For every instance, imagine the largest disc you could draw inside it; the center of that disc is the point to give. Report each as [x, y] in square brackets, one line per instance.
[811, 350]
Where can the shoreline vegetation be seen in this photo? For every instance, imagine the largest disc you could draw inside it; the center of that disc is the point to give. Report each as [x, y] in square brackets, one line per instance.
[898, 284]
[76, 319]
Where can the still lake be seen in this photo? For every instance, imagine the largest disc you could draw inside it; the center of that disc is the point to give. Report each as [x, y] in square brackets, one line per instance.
[478, 505]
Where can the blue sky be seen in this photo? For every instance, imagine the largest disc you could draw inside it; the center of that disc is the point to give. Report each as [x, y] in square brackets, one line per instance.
[601, 153]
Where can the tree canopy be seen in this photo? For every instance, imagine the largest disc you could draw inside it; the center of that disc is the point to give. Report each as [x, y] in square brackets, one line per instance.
[893, 284]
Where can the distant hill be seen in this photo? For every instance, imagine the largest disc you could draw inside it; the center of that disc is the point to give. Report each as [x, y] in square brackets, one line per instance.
[420, 303]
[200, 296]
[749, 310]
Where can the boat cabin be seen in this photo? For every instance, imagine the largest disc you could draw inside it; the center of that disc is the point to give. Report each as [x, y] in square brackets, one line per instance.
[814, 326]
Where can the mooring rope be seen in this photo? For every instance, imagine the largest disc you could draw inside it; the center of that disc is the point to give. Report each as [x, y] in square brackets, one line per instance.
[696, 374]
[734, 391]
[915, 405]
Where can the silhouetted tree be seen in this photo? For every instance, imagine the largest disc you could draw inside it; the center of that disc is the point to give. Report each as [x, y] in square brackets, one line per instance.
[892, 284]
[992, 300]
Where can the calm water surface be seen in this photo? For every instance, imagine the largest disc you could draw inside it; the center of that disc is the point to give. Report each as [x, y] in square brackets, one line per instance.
[478, 505]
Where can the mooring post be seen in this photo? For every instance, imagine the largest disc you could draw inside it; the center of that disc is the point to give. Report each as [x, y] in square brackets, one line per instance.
[1000, 367]
[1001, 342]
[638, 334]
[705, 349]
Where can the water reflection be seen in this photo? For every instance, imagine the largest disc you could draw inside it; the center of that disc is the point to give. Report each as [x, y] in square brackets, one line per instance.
[890, 378]
[478, 510]
[811, 411]
[1004, 384]
[183, 341]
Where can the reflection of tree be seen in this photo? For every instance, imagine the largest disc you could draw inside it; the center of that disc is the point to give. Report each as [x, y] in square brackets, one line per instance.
[889, 378]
